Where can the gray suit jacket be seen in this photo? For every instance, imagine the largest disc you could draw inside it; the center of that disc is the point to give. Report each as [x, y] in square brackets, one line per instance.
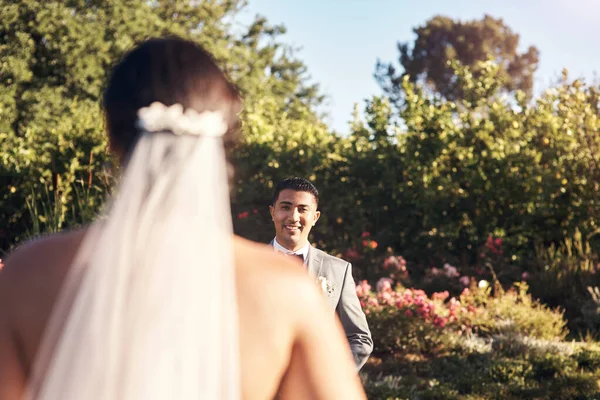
[343, 300]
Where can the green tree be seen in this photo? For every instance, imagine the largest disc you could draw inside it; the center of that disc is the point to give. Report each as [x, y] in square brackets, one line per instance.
[55, 56]
[484, 165]
[442, 40]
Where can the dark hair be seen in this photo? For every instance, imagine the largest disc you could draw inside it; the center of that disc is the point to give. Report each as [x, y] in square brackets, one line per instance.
[297, 184]
[168, 70]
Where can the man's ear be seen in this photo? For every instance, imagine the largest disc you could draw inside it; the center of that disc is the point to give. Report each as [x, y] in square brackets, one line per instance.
[272, 212]
[317, 216]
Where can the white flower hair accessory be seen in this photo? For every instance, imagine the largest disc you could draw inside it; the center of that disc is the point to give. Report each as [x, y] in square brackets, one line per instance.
[159, 118]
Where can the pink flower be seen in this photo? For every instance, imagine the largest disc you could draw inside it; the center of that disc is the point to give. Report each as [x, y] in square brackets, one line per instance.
[419, 301]
[408, 313]
[387, 297]
[395, 263]
[363, 288]
[465, 280]
[465, 292]
[450, 271]
[255, 211]
[435, 271]
[453, 306]
[391, 262]
[359, 291]
[243, 215]
[440, 322]
[402, 261]
[1, 264]
[384, 284]
[373, 302]
[365, 235]
[524, 276]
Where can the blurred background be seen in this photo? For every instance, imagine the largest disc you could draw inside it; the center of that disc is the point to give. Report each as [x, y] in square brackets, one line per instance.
[456, 146]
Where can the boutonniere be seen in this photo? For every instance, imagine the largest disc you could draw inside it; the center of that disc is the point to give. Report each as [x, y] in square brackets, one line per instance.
[325, 285]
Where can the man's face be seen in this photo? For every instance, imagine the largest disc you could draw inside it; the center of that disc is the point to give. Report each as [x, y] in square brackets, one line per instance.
[294, 214]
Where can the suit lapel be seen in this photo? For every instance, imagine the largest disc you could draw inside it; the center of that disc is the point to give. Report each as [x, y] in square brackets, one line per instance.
[315, 262]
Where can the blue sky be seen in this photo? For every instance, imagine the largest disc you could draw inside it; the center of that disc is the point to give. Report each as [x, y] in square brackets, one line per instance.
[341, 40]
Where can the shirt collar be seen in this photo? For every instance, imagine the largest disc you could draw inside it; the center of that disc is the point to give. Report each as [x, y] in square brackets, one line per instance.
[303, 251]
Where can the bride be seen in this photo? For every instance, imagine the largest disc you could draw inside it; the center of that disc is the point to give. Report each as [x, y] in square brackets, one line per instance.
[158, 299]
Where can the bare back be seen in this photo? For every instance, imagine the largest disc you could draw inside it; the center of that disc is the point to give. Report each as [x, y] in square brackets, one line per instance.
[289, 342]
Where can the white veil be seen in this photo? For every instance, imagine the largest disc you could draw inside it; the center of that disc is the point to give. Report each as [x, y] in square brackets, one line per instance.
[149, 309]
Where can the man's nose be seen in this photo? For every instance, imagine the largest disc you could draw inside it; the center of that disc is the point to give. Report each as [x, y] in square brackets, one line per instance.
[295, 215]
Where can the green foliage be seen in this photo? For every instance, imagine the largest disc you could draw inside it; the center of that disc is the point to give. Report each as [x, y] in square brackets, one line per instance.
[55, 57]
[442, 40]
[431, 178]
[407, 321]
[514, 312]
[437, 184]
[395, 333]
[472, 368]
[565, 275]
[503, 346]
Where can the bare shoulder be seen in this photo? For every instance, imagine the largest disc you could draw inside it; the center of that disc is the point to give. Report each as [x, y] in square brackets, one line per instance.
[274, 276]
[39, 263]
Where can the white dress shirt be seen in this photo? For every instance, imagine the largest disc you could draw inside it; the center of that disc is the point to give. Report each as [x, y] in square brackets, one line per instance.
[301, 252]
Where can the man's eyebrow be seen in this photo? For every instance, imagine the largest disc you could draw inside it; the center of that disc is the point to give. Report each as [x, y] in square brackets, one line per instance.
[289, 203]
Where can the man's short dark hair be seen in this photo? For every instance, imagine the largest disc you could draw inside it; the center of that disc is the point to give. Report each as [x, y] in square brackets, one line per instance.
[297, 184]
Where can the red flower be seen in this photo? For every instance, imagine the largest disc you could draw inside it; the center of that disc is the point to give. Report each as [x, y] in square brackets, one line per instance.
[365, 235]
[371, 244]
[494, 245]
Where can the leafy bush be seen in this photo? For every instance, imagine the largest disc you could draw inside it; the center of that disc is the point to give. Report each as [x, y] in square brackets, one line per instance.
[485, 343]
[513, 312]
[565, 275]
[51, 124]
[503, 367]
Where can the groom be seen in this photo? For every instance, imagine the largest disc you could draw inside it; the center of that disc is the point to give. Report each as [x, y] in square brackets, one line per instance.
[294, 213]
